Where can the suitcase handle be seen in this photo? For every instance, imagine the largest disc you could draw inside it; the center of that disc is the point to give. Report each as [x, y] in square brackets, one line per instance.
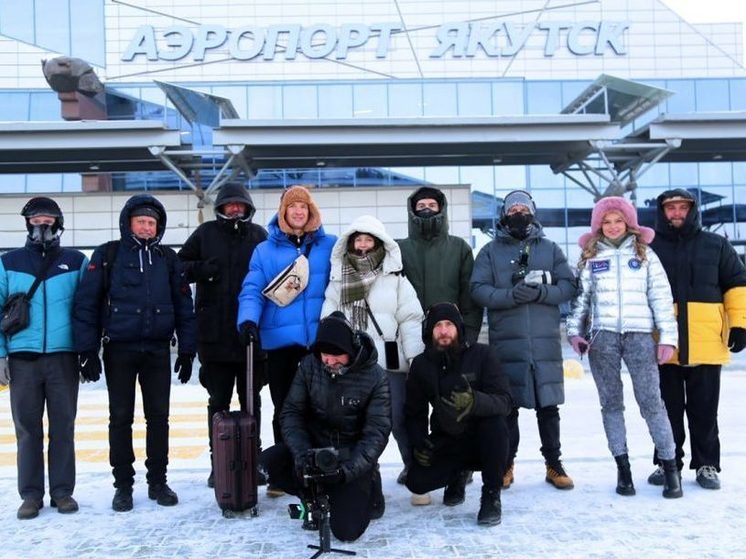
[250, 378]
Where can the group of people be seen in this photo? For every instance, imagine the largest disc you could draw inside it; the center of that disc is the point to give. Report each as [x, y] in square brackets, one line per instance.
[374, 336]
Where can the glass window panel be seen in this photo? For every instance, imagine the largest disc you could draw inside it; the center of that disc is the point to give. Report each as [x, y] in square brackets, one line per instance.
[657, 175]
[12, 183]
[416, 173]
[541, 176]
[474, 99]
[442, 175]
[45, 106]
[405, 100]
[507, 98]
[51, 182]
[716, 173]
[299, 101]
[712, 95]
[511, 176]
[439, 99]
[370, 101]
[571, 89]
[683, 175]
[683, 100]
[14, 106]
[88, 40]
[544, 97]
[17, 20]
[737, 94]
[265, 102]
[53, 24]
[480, 178]
[72, 182]
[739, 174]
[335, 101]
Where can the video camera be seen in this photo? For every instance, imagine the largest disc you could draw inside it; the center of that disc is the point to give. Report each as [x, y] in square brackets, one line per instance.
[320, 462]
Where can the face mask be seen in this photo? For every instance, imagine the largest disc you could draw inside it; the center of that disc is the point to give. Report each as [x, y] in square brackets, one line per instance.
[518, 224]
[43, 235]
[425, 213]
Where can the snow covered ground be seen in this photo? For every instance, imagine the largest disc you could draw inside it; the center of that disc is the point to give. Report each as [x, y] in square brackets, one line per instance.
[538, 520]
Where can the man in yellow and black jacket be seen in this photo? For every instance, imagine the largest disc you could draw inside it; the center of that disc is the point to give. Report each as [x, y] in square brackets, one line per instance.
[708, 282]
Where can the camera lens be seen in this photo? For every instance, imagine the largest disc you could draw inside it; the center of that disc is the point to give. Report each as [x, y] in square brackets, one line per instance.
[326, 460]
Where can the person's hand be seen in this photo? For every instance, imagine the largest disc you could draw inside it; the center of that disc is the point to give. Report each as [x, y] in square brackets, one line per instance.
[461, 400]
[183, 366]
[248, 333]
[210, 269]
[737, 339]
[4, 372]
[89, 365]
[664, 353]
[423, 454]
[332, 478]
[524, 293]
[579, 344]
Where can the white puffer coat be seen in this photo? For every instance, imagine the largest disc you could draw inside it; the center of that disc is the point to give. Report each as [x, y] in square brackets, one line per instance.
[392, 299]
[618, 293]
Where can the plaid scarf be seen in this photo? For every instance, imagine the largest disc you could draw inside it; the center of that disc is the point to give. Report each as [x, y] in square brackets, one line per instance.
[358, 274]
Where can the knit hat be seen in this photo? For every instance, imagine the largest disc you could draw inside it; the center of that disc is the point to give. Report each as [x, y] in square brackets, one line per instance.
[335, 336]
[438, 312]
[145, 211]
[676, 195]
[298, 194]
[518, 198]
[427, 192]
[624, 208]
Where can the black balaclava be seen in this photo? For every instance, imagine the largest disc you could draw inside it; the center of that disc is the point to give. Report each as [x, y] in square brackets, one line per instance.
[45, 236]
[519, 224]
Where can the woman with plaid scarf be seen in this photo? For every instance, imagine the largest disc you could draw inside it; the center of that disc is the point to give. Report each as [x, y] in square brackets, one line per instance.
[367, 284]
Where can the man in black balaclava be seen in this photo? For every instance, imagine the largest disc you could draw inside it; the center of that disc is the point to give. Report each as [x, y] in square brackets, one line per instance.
[216, 258]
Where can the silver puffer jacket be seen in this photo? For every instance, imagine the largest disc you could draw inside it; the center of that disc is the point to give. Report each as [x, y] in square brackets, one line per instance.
[619, 293]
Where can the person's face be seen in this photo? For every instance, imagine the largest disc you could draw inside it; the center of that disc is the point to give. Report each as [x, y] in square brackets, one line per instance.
[613, 225]
[427, 204]
[676, 212]
[445, 334]
[233, 210]
[518, 209]
[143, 227]
[296, 215]
[335, 362]
[363, 243]
[41, 220]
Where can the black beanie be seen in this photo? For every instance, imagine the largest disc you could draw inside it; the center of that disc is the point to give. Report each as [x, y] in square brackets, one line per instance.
[147, 211]
[427, 192]
[335, 336]
[442, 311]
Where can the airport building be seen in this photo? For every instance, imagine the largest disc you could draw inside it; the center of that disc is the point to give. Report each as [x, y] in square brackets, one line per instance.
[367, 100]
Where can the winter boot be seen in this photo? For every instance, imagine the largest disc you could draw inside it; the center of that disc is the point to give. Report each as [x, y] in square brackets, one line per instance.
[162, 494]
[624, 485]
[490, 509]
[455, 492]
[672, 480]
[557, 476]
[377, 500]
[65, 505]
[29, 509]
[509, 476]
[657, 477]
[122, 501]
[707, 477]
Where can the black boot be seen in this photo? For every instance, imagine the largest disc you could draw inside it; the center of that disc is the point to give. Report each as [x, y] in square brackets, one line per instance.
[490, 509]
[624, 485]
[455, 491]
[672, 480]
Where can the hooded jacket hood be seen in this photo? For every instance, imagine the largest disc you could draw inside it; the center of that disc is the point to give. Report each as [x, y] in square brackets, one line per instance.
[234, 192]
[430, 227]
[137, 201]
[692, 223]
[392, 262]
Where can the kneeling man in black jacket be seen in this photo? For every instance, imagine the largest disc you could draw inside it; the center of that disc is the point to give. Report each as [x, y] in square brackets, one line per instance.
[339, 398]
[470, 399]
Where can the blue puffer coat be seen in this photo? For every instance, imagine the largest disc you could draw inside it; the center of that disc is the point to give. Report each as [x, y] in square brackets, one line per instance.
[50, 326]
[148, 296]
[296, 323]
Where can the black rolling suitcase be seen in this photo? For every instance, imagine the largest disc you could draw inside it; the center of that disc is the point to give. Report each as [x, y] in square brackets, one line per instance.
[234, 448]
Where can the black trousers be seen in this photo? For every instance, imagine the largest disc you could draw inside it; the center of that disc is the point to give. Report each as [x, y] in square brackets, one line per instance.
[694, 392]
[219, 378]
[282, 364]
[482, 448]
[350, 503]
[152, 369]
[548, 421]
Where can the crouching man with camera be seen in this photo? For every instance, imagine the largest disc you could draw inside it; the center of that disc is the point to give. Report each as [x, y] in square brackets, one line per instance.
[335, 424]
[470, 399]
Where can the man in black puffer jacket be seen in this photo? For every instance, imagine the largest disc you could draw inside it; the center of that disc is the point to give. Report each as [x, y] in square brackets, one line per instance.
[470, 399]
[216, 257]
[339, 398]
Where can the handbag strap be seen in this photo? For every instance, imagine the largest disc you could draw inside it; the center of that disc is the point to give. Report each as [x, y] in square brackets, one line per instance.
[45, 264]
[373, 318]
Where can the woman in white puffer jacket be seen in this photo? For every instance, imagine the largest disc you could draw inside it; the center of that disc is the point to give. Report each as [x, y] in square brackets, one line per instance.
[623, 306]
[367, 268]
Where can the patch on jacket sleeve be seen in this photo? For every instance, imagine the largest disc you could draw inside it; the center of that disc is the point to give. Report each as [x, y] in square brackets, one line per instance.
[599, 266]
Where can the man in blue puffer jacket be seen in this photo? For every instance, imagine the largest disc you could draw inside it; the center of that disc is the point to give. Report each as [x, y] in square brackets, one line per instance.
[39, 362]
[286, 332]
[136, 301]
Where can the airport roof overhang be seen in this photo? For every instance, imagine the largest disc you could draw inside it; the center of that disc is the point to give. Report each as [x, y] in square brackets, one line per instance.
[523, 140]
[89, 147]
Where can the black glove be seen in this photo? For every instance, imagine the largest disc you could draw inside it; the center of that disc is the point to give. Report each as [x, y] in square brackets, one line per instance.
[89, 366]
[461, 400]
[210, 270]
[423, 454]
[523, 293]
[737, 339]
[248, 332]
[332, 478]
[183, 366]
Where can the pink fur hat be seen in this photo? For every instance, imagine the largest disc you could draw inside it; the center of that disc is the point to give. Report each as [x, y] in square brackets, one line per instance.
[625, 209]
